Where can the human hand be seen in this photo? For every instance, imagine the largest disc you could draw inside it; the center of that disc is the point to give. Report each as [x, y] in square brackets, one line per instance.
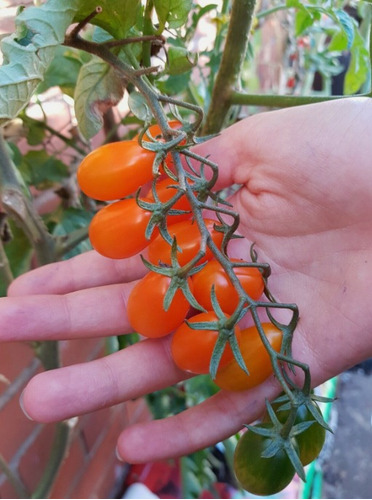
[306, 200]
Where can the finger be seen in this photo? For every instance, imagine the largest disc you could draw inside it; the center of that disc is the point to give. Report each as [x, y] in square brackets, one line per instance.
[74, 390]
[206, 424]
[93, 312]
[87, 270]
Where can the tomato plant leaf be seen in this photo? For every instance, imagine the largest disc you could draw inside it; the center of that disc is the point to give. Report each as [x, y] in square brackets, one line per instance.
[348, 25]
[139, 107]
[28, 52]
[18, 250]
[72, 219]
[180, 60]
[97, 89]
[117, 16]
[63, 72]
[172, 13]
[40, 169]
[359, 65]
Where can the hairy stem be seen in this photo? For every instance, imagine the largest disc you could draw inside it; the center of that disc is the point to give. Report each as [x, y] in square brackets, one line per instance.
[232, 59]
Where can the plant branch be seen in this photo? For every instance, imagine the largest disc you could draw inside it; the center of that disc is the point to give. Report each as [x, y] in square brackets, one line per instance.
[232, 59]
[59, 448]
[277, 101]
[14, 480]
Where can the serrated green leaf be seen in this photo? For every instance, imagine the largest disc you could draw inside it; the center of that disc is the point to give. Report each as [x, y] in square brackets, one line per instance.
[98, 88]
[172, 13]
[117, 16]
[28, 52]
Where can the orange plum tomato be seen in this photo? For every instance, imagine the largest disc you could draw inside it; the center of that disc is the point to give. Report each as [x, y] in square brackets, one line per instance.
[188, 240]
[192, 349]
[115, 170]
[232, 378]
[214, 274]
[145, 307]
[118, 230]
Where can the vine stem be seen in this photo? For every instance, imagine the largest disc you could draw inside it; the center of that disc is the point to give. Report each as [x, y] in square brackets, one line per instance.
[278, 101]
[14, 480]
[242, 13]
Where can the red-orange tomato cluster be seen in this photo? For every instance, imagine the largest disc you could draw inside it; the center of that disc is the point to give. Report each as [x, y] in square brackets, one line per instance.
[117, 231]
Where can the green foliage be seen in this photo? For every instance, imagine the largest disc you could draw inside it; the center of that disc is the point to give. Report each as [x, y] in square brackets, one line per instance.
[28, 53]
[172, 13]
[359, 65]
[62, 72]
[117, 16]
[18, 250]
[66, 221]
[98, 88]
[41, 170]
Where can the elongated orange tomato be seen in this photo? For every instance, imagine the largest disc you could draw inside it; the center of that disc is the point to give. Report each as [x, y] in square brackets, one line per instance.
[145, 307]
[115, 170]
[232, 378]
[188, 240]
[213, 274]
[118, 230]
[192, 349]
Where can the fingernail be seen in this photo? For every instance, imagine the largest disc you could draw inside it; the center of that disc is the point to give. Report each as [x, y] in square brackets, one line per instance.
[21, 404]
[118, 455]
